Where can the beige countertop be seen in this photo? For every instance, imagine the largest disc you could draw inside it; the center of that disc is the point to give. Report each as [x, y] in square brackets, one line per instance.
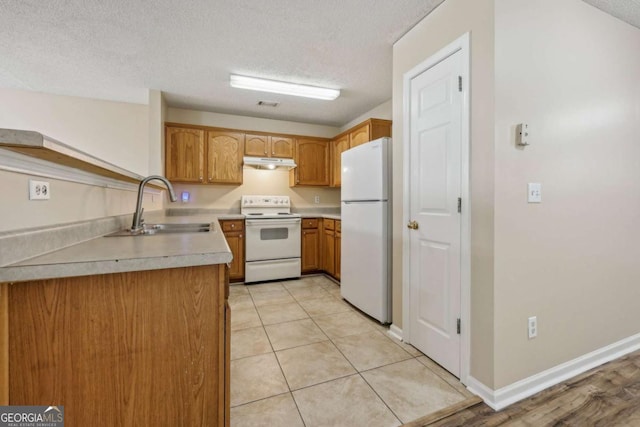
[102, 255]
[320, 215]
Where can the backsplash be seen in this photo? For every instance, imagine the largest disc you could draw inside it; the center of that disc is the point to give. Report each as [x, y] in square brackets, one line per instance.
[255, 182]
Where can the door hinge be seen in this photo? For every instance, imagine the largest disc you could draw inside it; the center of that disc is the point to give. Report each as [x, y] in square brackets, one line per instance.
[458, 326]
[459, 83]
[459, 204]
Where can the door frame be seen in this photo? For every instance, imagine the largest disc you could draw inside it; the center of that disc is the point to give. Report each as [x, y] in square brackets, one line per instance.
[460, 44]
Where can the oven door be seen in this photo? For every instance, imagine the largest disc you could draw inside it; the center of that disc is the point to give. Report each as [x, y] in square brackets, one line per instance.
[272, 239]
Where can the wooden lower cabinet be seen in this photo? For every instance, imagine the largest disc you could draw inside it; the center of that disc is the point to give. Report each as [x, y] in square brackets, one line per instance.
[329, 246]
[321, 239]
[234, 233]
[124, 349]
[338, 250]
[310, 245]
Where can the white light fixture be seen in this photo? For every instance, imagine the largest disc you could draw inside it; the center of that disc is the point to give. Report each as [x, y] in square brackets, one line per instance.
[272, 86]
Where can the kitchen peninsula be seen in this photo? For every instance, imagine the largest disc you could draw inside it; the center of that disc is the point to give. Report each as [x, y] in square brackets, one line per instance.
[121, 330]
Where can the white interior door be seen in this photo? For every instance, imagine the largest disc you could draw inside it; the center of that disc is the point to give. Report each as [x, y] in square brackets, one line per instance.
[434, 188]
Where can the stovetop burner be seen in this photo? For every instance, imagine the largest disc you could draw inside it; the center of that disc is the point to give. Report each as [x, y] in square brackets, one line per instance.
[264, 207]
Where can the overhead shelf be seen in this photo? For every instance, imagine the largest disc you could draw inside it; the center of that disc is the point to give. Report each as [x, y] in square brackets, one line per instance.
[40, 146]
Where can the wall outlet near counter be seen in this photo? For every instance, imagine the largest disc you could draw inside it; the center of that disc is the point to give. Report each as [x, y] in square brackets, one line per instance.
[316, 199]
[39, 190]
[532, 326]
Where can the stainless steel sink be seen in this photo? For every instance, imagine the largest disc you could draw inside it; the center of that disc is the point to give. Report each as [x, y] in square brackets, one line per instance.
[153, 229]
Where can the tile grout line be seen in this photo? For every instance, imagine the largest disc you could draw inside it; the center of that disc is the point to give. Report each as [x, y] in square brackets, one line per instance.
[331, 340]
[276, 357]
[380, 397]
[280, 365]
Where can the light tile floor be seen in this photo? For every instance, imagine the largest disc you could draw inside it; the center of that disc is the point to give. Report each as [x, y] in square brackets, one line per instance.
[302, 356]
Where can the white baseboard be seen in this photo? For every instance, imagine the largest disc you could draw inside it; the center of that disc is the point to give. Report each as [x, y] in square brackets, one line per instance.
[395, 332]
[505, 396]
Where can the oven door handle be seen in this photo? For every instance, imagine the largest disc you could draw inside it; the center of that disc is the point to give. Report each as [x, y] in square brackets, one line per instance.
[271, 222]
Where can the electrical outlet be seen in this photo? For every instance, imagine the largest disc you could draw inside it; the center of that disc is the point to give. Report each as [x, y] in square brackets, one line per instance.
[316, 199]
[532, 323]
[39, 190]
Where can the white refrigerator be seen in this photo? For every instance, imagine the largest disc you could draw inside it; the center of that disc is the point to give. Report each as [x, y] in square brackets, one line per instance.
[365, 276]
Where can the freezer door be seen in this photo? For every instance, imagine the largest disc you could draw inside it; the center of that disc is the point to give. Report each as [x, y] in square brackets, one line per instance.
[365, 171]
[364, 276]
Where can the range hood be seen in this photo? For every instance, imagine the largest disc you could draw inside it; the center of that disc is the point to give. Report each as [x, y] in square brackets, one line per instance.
[269, 163]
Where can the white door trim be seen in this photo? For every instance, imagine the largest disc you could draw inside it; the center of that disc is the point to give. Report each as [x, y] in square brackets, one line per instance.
[461, 44]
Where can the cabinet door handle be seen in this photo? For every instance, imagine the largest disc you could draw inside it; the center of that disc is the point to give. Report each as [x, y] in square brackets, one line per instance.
[201, 179]
[233, 226]
[240, 236]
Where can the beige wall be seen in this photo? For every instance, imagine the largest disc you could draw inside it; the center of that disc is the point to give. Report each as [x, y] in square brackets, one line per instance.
[382, 111]
[204, 118]
[113, 131]
[116, 132]
[157, 112]
[70, 202]
[258, 182]
[573, 73]
[446, 23]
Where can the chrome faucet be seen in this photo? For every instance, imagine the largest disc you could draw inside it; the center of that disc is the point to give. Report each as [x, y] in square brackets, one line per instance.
[136, 227]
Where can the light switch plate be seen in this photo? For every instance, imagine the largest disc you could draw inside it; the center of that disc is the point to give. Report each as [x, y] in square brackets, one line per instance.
[522, 134]
[534, 192]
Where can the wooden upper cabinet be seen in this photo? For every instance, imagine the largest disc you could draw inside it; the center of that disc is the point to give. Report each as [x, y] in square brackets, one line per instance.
[185, 160]
[224, 157]
[312, 159]
[337, 147]
[268, 146]
[368, 131]
[281, 147]
[360, 135]
[256, 145]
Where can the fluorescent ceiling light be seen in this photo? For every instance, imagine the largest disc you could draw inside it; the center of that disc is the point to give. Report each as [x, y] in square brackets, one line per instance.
[285, 88]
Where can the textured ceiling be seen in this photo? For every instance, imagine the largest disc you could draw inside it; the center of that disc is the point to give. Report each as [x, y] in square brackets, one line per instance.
[116, 50]
[626, 10]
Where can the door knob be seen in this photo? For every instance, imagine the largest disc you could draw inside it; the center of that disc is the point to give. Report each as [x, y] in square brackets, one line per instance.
[412, 225]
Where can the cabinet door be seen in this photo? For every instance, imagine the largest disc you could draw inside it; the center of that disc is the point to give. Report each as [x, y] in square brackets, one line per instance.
[360, 135]
[329, 251]
[235, 240]
[184, 153]
[312, 158]
[281, 147]
[310, 251]
[337, 147]
[224, 157]
[256, 145]
[380, 128]
[337, 254]
[234, 233]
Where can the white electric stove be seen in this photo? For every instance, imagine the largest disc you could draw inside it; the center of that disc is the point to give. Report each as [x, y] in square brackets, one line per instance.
[272, 238]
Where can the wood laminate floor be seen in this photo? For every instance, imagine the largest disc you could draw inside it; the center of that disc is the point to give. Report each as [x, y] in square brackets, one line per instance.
[606, 396]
